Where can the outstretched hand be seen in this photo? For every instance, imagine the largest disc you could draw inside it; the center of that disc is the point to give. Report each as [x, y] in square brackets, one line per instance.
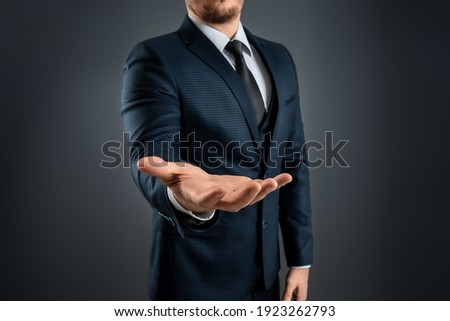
[198, 191]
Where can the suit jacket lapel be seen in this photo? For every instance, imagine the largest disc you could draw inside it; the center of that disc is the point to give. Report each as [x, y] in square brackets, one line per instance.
[200, 45]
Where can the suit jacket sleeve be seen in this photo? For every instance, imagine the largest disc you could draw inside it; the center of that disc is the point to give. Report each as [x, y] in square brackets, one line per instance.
[151, 116]
[295, 204]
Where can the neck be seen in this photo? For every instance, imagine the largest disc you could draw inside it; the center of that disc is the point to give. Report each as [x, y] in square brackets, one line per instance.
[228, 28]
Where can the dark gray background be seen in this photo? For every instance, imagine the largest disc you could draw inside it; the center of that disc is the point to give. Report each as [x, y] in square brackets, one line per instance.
[374, 72]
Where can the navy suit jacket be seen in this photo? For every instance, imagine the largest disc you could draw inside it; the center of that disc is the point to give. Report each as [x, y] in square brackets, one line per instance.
[183, 101]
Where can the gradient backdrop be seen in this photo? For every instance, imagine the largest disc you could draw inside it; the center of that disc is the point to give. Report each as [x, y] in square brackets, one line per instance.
[375, 72]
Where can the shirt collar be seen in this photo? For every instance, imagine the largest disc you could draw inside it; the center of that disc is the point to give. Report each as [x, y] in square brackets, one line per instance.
[219, 39]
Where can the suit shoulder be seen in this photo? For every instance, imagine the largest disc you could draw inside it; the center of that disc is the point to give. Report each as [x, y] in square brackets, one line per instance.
[278, 51]
[155, 42]
[154, 46]
[274, 46]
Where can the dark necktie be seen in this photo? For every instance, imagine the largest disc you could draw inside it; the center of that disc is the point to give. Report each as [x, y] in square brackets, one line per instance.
[236, 49]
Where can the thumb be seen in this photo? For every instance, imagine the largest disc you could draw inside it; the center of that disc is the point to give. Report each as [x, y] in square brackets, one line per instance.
[154, 166]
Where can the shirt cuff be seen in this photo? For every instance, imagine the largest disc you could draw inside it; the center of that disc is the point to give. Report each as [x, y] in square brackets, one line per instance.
[205, 216]
[300, 267]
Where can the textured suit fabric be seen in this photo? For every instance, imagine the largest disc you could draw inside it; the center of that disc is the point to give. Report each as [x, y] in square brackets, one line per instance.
[183, 101]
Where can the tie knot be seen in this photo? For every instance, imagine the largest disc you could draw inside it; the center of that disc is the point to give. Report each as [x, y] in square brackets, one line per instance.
[236, 48]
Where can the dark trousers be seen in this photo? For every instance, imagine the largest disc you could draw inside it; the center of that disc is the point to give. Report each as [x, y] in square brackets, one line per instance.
[261, 294]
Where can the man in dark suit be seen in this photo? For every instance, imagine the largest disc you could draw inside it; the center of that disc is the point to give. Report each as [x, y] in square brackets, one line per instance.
[217, 146]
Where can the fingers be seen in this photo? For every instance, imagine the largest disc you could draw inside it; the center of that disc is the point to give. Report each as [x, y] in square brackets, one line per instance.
[288, 293]
[292, 293]
[267, 186]
[270, 184]
[296, 288]
[283, 179]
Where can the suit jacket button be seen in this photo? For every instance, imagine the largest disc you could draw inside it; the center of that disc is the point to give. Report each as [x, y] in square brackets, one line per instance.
[264, 224]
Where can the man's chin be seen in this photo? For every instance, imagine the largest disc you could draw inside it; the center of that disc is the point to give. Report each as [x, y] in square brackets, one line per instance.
[220, 15]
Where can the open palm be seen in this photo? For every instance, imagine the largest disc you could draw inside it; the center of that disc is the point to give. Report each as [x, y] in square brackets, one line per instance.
[198, 191]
